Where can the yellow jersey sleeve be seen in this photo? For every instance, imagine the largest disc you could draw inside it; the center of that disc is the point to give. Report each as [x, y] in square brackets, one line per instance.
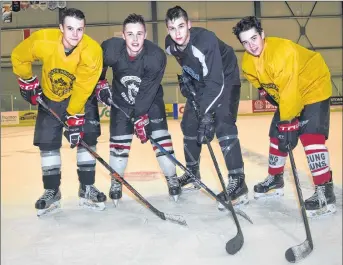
[25, 53]
[285, 68]
[87, 75]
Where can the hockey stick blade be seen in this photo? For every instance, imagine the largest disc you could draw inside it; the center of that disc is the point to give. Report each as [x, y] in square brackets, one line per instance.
[299, 252]
[178, 219]
[244, 215]
[235, 244]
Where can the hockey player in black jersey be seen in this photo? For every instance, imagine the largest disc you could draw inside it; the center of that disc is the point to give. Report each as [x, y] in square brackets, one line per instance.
[209, 67]
[138, 66]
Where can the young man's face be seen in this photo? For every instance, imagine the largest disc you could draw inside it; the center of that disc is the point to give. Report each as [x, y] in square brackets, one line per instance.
[252, 41]
[178, 30]
[134, 35]
[72, 29]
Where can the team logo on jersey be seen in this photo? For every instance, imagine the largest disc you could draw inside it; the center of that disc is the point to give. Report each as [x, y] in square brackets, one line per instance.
[61, 81]
[272, 90]
[132, 83]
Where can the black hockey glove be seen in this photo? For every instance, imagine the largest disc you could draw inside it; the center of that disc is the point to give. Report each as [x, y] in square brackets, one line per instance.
[268, 97]
[206, 128]
[288, 134]
[75, 132]
[186, 86]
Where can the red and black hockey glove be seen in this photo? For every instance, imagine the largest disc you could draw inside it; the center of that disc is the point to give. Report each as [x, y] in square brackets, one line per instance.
[288, 134]
[142, 130]
[103, 92]
[30, 89]
[76, 131]
[263, 93]
[206, 128]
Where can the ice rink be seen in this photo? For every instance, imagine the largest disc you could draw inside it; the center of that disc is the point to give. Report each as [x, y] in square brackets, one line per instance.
[132, 235]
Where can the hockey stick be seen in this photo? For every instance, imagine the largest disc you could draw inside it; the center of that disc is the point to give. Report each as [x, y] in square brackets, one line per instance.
[299, 252]
[166, 217]
[236, 243]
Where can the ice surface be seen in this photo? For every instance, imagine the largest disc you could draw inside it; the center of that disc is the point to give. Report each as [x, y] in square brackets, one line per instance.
[131, 234]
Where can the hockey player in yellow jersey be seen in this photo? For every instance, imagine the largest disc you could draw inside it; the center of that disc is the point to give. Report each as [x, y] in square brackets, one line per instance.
[298, 81]
[71, 67]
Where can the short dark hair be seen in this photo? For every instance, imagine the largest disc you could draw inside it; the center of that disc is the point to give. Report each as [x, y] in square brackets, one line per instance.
[175, 13]
[246, 24]
[134, 18]
[72, 12]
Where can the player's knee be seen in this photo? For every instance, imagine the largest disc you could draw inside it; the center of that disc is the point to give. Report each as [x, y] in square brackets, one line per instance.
[163, 138]
[49, 146]
[51, 162]
[120, 145]
[83, 157]
[189, 127]
[226, 129]
[307, 139]
[91, 139]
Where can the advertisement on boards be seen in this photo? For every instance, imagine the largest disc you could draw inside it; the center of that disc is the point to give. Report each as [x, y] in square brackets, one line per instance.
[9, 118]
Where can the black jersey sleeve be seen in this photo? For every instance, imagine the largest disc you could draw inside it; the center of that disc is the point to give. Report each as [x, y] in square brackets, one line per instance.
[154, 67]
[213, 75]
[110, 51]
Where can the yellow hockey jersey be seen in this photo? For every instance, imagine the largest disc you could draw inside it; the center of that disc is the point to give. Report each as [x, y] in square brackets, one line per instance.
[74, 76]
[293, 75]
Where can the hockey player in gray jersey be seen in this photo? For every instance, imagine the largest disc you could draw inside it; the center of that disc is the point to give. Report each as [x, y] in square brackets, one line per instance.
[210, 67]
[138, 66]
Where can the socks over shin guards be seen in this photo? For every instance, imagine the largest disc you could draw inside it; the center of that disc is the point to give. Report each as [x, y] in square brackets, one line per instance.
[277, 159]
[317, 157]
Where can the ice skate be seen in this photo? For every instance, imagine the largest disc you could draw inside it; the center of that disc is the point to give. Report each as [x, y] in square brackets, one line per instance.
[237, 190]
[174, 187]
[115, 191]
[322, 202]
[186, 180]
[271, 187]
[91, 198]
[49, 202]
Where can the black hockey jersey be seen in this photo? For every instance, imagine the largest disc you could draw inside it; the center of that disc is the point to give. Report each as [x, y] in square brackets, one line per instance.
[210, 62]
[136, 83]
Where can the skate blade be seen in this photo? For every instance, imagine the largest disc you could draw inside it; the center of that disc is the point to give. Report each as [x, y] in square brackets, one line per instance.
[241, 201]
[88, 204]
[325, 211]
[115, 202]
[275, 193]
[190, 188]
[175, 197]
[53, 208]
